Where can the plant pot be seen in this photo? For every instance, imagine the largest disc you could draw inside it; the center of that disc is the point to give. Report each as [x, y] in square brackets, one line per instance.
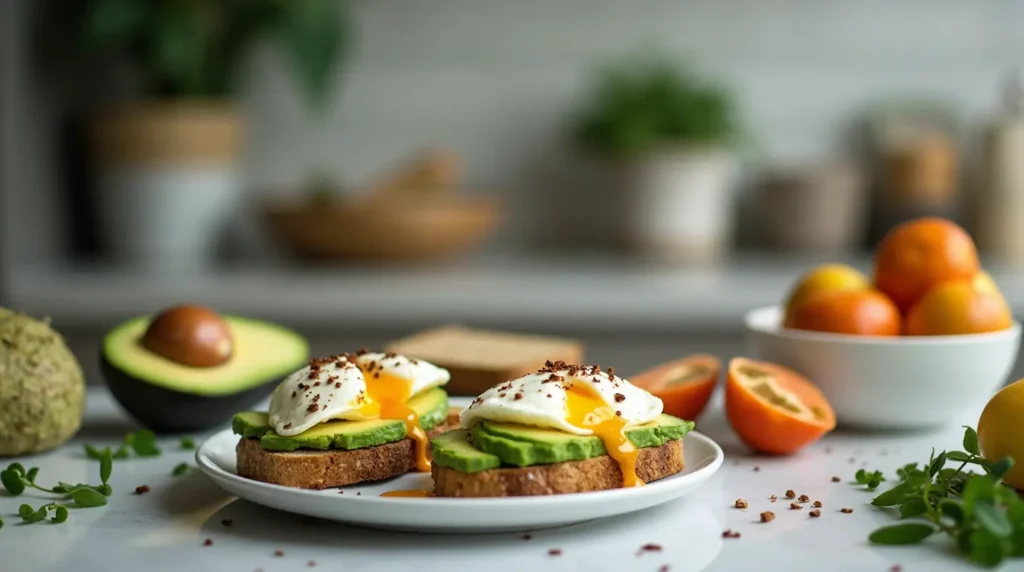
[680, 204]
[168, 180]
[816, 209]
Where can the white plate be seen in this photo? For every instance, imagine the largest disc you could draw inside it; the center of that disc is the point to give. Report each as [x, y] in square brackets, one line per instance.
[363, 505]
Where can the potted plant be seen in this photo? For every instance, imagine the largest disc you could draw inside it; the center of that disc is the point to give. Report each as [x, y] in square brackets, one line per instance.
[670, 134]
[168, 163]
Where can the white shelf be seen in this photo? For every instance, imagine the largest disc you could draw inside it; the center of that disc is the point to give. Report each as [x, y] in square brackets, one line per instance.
[510, 292]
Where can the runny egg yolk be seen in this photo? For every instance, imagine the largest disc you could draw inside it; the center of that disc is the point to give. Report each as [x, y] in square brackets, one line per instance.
[386, 397]
[585, 410]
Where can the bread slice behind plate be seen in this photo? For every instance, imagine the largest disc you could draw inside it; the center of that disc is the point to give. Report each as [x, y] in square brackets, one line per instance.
[594, 474]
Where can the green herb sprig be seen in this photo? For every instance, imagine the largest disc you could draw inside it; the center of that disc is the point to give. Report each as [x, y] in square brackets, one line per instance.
[16, 480]
[142, 443]
[983, 515]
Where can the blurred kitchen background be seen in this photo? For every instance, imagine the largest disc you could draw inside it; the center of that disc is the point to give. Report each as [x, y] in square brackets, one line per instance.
[634, 173]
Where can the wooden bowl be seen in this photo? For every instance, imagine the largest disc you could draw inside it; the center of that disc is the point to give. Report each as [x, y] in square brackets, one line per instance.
[391, 229]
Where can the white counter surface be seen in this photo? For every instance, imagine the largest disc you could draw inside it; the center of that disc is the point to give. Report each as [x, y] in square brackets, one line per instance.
[165, 530]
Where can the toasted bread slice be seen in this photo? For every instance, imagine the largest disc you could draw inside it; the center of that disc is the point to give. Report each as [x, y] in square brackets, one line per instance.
[596, 474]
[328, 469]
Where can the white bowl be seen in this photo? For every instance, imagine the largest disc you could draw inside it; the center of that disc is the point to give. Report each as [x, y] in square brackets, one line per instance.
[909, 382]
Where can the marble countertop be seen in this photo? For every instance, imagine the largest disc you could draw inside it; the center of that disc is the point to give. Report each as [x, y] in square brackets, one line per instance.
[167, 529]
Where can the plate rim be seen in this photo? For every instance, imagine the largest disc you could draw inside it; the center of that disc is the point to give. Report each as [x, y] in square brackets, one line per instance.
[706, 470]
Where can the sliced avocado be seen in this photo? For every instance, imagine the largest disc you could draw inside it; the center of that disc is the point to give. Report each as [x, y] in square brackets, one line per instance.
[453, 450]
[523, 446]
[431, 406]
[171, 397]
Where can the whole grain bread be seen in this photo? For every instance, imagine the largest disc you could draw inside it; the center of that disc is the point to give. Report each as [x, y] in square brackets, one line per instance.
[596, 474]
[328, 469]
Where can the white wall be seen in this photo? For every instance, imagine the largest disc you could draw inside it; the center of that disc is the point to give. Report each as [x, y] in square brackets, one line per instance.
[495, 79]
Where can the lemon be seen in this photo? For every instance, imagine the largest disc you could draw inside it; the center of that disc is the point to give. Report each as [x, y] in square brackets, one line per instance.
[1000, 429]
[827, 278]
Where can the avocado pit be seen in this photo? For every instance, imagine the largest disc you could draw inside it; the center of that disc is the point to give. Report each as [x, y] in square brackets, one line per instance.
[190, 335]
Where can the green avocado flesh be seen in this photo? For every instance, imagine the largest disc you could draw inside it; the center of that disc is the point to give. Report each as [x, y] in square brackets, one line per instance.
[452, 449]
[262, 353]
[431, 406]
[522, 446]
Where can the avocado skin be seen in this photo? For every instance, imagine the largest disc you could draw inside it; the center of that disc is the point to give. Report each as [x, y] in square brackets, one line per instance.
[452, 449]
[525, 446]
[431, 405]
[167, 411]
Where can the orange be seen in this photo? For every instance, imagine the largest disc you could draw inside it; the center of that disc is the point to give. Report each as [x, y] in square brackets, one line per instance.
[916, 255]
[827, 278]
[857, 312]
[774, 409]
[685, 385]
[960, 307]
[999, 430]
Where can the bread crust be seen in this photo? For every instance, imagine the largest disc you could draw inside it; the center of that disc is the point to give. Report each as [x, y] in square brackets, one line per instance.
[328, 469]
[596, 474]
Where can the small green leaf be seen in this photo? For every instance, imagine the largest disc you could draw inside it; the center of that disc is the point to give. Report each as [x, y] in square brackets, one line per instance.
[906, 533]
[93, 453]
[952, 509]
[122, 453]
[25, 511]
[105, 490]
[180, 469]
[16, 468]
[958, 456]
[1, 522]
[1015, 514]
[88, 497]
[861, 476]
[893, 496]
[30, 476]
[914, 506]
[60, 514]
[998, 469]
[12, 481]
[977, 488]
[971, 441]
[30, 516]
[937, 464]
[991, 518]
[1017, 542]
[144, 444]
[188, 443]
[987, 549]
[106, 465]
[874, 483]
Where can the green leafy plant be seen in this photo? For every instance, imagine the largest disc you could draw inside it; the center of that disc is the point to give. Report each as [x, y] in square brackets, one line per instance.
[142, 443]
[638, 106]
[16, 480]
[984, 516]
[194, 48]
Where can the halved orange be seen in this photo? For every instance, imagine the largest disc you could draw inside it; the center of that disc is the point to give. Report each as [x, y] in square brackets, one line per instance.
[684, 385]
[774, 409]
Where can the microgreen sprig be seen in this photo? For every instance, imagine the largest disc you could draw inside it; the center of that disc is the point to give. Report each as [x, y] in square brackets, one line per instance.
[142, 443]
[982, 514]
[16, 480]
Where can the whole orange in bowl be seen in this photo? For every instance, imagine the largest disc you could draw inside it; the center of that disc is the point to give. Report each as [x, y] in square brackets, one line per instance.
[960, 307]
[865, 312]
[826, 278]
[917, 255]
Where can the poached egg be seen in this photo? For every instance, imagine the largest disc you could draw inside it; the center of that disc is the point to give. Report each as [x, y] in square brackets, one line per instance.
[346, 387]
[582, 400]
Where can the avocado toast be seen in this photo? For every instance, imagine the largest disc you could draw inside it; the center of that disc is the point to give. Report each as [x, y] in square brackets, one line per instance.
[345, 419]
[564, 429]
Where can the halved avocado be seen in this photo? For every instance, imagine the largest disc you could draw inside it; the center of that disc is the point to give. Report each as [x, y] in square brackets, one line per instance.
[169, 397]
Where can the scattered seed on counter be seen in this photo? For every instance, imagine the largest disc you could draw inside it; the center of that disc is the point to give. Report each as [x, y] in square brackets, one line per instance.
[730, 534]
[740, 503]
[790, 494]
[649, 548]
[836, 479]
[311, 564]
[815, 513]
[663, 568]
[554, 552]
[773, 498]
[756, 468]
[804, 498]
[817, 504]
[794, 506]
[208, 542]
[279, 553]
[527, 536]
[846, 510]
[767, 516]
[142, 489]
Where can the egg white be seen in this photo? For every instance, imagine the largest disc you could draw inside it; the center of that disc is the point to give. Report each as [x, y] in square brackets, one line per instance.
[338, 389]
[536, 400]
